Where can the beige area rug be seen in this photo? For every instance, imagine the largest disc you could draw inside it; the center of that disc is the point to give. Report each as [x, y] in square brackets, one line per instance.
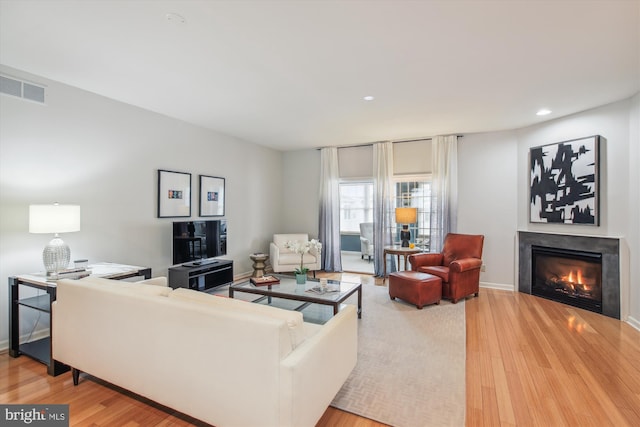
[411, 363]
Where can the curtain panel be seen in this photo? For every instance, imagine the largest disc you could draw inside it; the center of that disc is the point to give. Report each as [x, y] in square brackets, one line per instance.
[382, 205]
[329, 233]
[444, 189]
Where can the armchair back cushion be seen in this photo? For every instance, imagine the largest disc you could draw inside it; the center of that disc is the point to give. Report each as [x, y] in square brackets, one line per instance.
[283, 259]
[461, 246]
[366, 238]
[281, 239]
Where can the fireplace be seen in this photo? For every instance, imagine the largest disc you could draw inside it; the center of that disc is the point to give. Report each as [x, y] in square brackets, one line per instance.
[593, 255]
[568, 276]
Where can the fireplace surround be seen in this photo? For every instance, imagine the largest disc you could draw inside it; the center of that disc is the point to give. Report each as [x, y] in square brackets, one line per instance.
[607, 249]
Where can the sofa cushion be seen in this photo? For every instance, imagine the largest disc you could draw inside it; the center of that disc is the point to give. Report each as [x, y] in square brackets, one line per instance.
[293, 319]
[119, 285]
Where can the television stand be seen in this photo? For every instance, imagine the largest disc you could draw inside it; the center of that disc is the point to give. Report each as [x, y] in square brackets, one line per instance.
[206, 261]
[208, 274]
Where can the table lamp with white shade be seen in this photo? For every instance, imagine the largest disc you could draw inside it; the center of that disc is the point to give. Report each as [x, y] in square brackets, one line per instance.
[55, 218]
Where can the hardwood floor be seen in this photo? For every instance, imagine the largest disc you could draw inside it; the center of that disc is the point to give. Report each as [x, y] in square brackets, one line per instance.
[530, 362]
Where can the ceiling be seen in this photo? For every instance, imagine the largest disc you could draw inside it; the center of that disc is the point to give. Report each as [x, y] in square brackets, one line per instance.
[292, 74]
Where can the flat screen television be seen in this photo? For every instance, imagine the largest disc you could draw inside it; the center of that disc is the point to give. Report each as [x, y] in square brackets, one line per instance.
[197, 240]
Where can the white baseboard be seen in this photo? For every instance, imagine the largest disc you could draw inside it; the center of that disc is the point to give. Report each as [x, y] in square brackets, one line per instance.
[498, 286]
[635, 323]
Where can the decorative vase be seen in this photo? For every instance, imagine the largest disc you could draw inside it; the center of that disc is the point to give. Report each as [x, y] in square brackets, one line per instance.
[301, 279]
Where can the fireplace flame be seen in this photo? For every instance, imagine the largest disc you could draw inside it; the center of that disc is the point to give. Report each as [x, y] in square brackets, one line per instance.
[574, 277]
[575, 281]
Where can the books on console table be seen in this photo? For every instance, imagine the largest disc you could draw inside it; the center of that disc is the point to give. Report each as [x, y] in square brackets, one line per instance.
[70, 273]
[264, 280]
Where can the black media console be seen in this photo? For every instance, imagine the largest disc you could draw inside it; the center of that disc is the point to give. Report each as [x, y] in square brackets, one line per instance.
[201, 275]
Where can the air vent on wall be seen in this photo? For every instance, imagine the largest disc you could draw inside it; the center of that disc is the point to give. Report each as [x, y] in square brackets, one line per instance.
[14, 87]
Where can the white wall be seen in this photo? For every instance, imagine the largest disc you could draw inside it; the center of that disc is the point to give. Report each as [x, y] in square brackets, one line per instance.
[487, 194]
[301, 192]
[104, 155]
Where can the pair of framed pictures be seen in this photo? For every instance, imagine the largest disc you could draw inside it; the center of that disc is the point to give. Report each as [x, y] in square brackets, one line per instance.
[174, 195]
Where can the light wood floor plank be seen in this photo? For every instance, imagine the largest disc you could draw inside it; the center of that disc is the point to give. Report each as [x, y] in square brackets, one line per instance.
[530, 362]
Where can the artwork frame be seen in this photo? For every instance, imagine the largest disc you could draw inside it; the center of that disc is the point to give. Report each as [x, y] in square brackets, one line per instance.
[212, 195]
[174, 194]
[564, 182]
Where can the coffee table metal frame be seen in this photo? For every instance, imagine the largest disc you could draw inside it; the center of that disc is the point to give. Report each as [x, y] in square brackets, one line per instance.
[288, 289]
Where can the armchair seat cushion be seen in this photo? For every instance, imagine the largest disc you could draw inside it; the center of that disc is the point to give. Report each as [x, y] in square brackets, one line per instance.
[294, 259]
[437, 270]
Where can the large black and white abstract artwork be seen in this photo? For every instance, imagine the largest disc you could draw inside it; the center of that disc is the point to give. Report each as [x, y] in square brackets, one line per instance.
[564, 182]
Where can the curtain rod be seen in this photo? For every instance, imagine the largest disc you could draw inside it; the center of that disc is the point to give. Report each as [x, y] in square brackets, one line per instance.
[397, 141]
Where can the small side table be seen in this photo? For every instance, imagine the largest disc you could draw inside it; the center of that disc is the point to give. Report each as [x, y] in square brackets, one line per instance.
[259, 264]
[398, 250]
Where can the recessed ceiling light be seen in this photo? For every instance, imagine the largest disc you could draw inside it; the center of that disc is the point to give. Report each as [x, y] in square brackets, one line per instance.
[543, 112]
[368, 98]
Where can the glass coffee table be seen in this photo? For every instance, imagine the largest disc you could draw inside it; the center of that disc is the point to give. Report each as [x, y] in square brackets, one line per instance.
[288, 289]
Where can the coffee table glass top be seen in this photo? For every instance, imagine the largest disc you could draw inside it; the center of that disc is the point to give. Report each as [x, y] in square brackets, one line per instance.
[317, 307]
[289, 287]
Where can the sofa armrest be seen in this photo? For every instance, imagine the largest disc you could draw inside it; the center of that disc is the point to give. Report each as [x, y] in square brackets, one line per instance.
[465, 264]
[420, 260]
[314, 372]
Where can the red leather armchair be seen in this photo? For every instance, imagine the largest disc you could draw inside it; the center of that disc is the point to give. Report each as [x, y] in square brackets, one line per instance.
[458, 265]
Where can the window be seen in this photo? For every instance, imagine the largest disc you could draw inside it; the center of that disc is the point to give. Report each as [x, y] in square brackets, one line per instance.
[414, 192]
[356, 205]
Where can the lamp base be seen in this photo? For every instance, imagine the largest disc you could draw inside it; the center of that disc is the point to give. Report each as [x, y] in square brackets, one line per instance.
[405, 236]
[56, 256]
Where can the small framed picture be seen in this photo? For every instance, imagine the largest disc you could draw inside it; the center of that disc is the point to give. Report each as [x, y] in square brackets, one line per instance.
[211, 196]
[174, 194]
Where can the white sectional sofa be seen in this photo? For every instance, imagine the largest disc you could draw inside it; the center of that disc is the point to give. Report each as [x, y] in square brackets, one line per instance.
[224, 361]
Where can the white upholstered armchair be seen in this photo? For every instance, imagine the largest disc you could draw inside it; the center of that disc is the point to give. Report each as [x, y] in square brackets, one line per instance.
[283, 259]
[366, 239]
